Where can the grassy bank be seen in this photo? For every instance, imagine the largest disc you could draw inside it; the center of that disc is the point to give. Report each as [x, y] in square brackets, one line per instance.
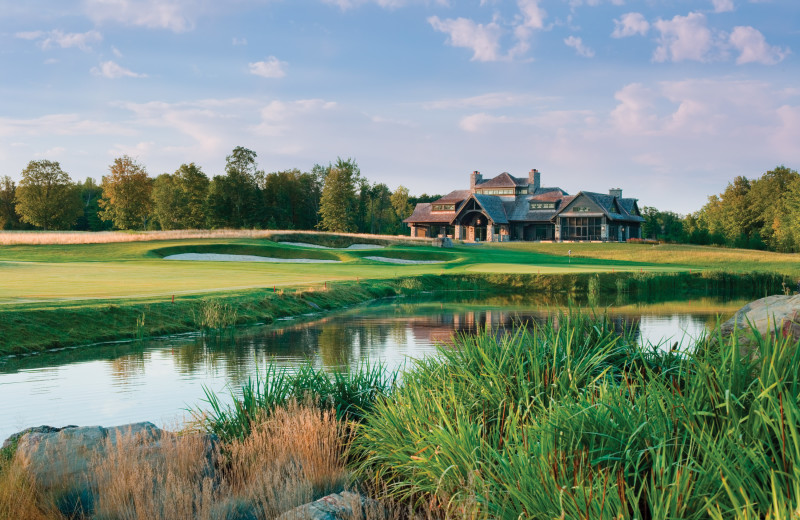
[35, 326]
[58, 291]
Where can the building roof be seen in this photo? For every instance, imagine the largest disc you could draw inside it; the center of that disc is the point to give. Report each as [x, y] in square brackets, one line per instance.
[504, 180]
[493, 206]
[422, 213]
[454, 196]
[606, 203]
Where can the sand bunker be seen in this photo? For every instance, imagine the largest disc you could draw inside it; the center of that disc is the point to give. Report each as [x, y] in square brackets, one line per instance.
[317, 246]
[214, 257]
[402, 260]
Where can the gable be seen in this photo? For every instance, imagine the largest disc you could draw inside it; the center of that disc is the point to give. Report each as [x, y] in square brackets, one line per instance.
[582, 204]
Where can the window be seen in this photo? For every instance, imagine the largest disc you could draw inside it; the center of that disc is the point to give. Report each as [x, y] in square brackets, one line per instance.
[543, 205]
[581, 228]
[444, 207]
[498, 191]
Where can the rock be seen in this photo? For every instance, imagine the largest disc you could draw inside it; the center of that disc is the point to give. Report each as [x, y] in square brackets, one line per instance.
[767, 315]
[442, 242]
[61, 460]
[14, 438]
[338, 506]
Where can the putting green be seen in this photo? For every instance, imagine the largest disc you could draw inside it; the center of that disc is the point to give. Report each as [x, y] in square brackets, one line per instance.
[136, 269]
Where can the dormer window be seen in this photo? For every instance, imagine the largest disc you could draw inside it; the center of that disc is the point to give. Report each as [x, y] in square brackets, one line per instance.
[444, 207]
[497, 191]
[543, 205]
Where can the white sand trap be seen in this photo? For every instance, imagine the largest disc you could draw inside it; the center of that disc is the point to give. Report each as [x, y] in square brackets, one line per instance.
[214, 257]
[317, 246]
[402, 260]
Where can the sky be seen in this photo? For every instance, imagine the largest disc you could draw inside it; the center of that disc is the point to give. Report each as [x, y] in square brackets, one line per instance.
[667, 99]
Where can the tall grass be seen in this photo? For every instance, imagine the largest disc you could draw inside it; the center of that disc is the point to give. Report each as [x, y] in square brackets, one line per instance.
[348, 393]
[292, 457]
[573, 420]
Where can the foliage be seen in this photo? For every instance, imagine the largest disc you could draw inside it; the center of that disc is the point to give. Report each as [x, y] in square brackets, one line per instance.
[763, 213]
[349, 393]
[291, 199]
[233, 198]
[662, 225]
[46, 196]
[90, 194]
[8, 213]
[126, 197]
[338, 206]
[574, 420]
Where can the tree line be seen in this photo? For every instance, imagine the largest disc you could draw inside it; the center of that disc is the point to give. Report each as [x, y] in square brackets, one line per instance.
[763, 213]
[335, 197]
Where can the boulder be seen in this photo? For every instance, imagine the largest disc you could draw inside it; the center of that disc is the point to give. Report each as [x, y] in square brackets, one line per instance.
[768, 315]
[442, 242]
[61, 460]
[338, 506]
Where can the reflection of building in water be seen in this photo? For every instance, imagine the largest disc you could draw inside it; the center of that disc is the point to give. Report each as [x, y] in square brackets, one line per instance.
[441, 328]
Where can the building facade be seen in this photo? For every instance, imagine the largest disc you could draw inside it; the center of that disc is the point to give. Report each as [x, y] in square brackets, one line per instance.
[508, 208]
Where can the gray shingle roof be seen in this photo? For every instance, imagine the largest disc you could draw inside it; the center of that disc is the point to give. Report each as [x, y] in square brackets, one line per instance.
[493, 206]
[422, 213]
[504, 180]
[454, 196]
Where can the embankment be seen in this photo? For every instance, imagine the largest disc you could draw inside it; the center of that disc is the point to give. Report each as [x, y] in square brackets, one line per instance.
[34, 327]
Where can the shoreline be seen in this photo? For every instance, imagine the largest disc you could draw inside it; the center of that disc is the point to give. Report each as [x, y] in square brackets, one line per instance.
[36, 327]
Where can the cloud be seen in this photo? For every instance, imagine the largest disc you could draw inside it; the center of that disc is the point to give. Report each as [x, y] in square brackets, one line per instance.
[239, 41]
[272, 67]
[483, 40]
[61, 125]
[174, 15]
[753, 47]
[722, 6]
[531, 17]
[111, 70]
[630, 24]
[683, 38]
[278, 117]
[54, 152]
[58, 38]
[577, 44]
[491, 100]
[388, 4]
[480, 122]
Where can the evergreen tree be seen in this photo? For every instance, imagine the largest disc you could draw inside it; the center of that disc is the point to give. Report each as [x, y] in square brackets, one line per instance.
[8, 213]
[339, 203]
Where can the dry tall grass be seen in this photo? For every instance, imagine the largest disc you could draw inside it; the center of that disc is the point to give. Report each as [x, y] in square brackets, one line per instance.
[19, 498]
[108, 237]
[293, 457]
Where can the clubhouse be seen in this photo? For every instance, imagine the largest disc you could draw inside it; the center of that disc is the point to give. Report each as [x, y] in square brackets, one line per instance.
[508, 208]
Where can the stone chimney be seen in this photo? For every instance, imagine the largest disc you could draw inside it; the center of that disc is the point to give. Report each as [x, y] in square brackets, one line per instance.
[474, 179]
[534, 180]
[615, 192]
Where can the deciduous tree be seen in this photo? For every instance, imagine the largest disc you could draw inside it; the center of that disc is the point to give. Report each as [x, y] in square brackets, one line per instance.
[127, 192]
[46, 196]
[233, 198]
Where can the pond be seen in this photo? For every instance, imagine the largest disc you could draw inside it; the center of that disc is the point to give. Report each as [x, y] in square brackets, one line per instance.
[159, 379]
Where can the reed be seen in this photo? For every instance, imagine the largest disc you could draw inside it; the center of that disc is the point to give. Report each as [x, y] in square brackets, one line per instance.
[349, 394]
[574, 420]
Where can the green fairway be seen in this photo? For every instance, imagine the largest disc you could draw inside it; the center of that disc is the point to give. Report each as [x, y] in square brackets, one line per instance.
[42, 273]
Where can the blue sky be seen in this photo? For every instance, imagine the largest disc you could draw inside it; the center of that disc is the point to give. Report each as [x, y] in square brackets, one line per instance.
[668, 99]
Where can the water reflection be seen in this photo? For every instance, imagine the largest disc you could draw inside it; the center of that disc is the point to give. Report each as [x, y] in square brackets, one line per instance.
[158, 379]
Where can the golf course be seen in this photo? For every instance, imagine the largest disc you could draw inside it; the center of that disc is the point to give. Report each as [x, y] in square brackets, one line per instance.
[65, 289]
